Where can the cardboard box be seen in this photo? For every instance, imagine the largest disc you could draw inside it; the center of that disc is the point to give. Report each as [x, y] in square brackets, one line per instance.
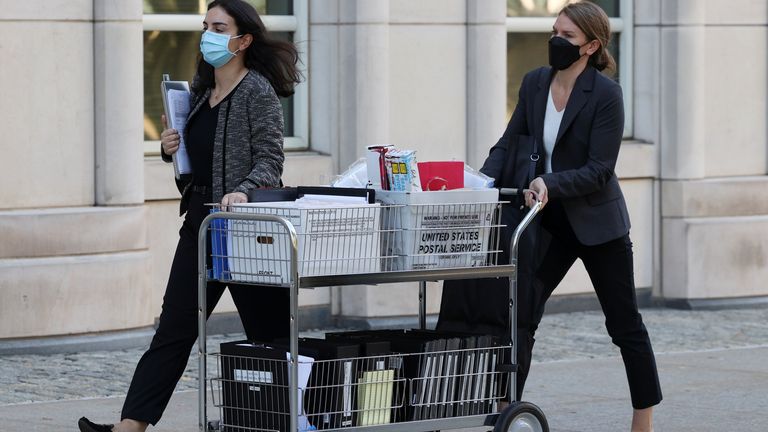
[333, 238]
[440, 229]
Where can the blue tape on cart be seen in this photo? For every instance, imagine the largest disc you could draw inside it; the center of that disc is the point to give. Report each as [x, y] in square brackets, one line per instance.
[219, 248]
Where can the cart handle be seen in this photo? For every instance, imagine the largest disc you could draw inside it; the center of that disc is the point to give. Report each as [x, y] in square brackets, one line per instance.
[535, 209]
[202, 307]
[514, 243]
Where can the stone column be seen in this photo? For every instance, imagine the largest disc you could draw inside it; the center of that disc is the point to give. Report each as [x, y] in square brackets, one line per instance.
[46, 88]
[67, 267]
[363, 77]
[683, 91]
[714, 147]
[324, 79]
[119, 101]
[363, 103]
[402, 80]
[486, 77]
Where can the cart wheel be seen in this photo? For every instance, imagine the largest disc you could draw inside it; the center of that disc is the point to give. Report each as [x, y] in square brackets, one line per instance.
[521, 417]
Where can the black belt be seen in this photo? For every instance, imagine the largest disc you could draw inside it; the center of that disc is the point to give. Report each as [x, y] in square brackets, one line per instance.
[202, 190]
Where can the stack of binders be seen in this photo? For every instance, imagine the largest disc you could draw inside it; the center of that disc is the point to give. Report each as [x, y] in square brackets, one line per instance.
[450, 374]
[478, 382]
[377, 386]
[328, 400]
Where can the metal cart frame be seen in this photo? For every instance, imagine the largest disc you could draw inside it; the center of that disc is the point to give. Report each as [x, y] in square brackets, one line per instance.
[421, 276]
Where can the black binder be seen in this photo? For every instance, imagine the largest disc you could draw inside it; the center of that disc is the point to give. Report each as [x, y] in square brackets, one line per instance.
[372, 345]
[376, 348]
[419, 370]
[329, 398]
[294, 193]
[273, 194]
[466, 380]
[451, 370]
[480, 393]
[254, 387]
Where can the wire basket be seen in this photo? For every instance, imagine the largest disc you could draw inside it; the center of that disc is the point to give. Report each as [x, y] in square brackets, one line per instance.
[252, 392]
[354, 239]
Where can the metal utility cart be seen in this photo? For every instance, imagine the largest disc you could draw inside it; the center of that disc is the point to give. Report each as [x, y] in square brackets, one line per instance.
[316, 245]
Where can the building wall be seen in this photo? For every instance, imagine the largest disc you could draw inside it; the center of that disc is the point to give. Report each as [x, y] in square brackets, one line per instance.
[89, 224]
[73, 220]
[709, 90]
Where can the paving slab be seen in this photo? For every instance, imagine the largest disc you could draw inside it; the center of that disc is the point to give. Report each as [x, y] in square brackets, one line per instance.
[713, 369]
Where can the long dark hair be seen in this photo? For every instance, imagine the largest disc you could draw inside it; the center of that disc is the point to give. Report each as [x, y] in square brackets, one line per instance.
[273, 58]
[593, 21]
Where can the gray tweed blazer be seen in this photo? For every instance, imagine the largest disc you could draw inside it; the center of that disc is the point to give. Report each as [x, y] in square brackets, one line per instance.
[248, 146]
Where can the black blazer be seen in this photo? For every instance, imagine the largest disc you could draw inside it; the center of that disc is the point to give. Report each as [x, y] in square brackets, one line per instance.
[585, 152]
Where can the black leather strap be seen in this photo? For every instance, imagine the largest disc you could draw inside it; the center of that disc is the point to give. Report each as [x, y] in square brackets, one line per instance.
[534, 160]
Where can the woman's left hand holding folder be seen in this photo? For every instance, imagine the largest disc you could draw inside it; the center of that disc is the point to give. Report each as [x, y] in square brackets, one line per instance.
[169, 138]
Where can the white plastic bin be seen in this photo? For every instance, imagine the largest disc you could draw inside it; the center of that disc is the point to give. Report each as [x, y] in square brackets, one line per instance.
[441, 229]
[333, 238]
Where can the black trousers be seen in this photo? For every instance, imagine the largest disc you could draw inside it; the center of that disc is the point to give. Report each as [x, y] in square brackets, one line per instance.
[264, 312]
[610, 269]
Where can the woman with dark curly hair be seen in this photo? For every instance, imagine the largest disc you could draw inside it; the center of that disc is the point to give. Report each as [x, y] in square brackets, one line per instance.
[234, 137]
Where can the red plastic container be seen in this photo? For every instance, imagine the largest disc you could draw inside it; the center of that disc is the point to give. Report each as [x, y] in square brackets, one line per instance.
[441, 175]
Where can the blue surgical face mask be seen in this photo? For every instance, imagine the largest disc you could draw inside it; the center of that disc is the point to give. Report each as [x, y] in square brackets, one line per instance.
[215, 48]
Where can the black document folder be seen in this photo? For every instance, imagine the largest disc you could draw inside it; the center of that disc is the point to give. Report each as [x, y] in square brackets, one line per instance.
[383, 367]
[273, 194]
[421, 370]
[294, 193]
[448, 391]
[375, 349]
[329, 398]
[466, 377]
[368, 194]
[254, 387]
[479, 384]
[432, 380]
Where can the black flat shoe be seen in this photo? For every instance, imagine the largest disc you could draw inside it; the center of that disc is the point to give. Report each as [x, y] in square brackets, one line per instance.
[86, 425]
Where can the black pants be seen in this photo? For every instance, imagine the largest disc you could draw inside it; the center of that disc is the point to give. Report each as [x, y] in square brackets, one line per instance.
[264, 312]
[610, 269]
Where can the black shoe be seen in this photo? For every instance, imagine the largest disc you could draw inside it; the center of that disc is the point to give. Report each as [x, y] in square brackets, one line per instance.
[86, 425]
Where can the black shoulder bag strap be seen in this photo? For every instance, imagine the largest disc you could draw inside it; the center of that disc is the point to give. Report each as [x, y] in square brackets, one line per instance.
[534, 158]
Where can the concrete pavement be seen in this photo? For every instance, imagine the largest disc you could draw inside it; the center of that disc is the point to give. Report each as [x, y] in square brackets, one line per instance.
[713, 368]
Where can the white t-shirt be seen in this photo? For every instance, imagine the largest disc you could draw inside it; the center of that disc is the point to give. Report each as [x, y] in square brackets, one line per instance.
[552, 120]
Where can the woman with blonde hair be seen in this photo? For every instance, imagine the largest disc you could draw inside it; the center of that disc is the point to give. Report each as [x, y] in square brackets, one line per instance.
[569, 120]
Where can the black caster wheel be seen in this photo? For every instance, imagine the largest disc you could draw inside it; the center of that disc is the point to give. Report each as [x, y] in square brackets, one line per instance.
[521, 417]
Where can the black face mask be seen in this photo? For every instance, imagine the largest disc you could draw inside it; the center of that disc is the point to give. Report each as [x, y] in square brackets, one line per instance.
[562, 54]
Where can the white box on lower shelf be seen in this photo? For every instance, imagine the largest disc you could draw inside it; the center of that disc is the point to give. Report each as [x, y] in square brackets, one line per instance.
[440, 229]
